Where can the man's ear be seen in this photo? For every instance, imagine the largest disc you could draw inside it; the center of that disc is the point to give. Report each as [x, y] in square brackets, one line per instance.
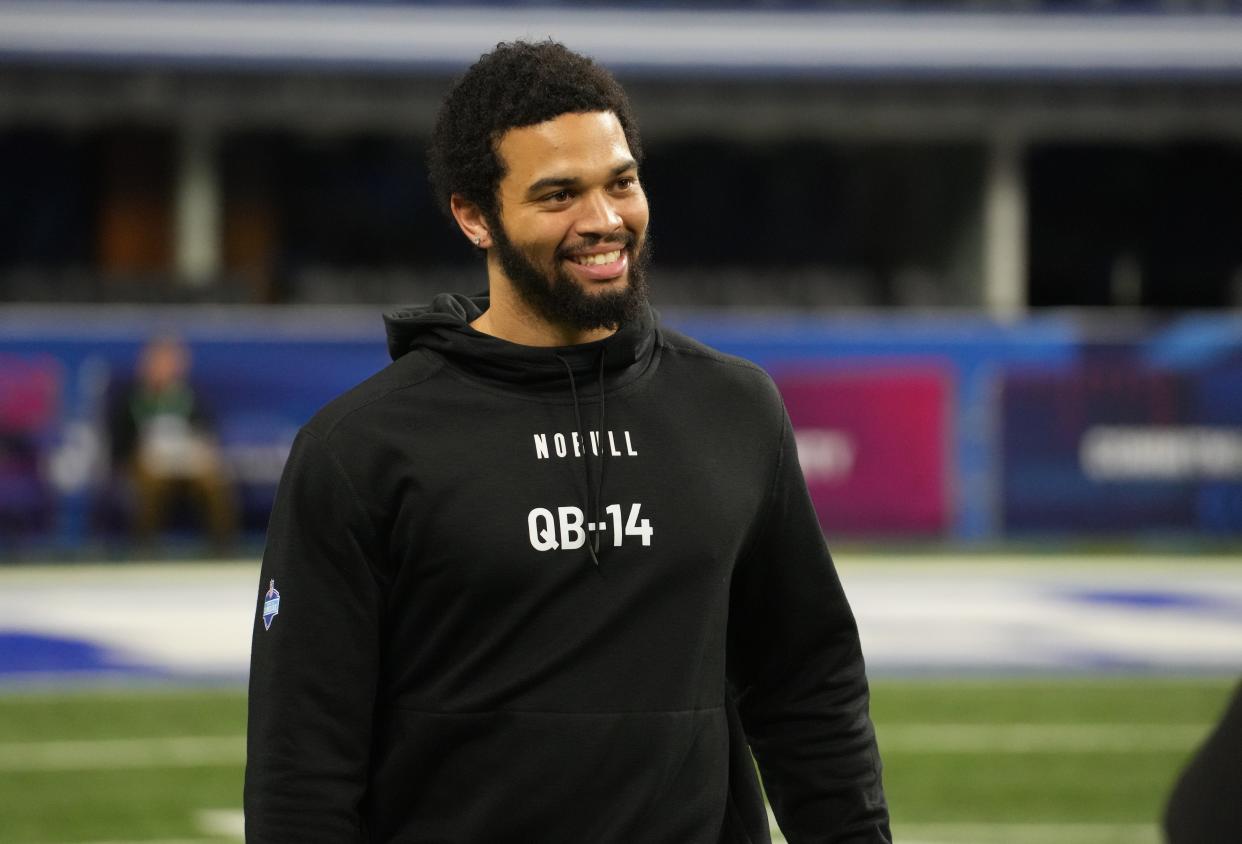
[472, 221]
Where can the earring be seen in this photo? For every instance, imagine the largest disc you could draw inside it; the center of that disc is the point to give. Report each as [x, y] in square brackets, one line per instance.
[478, 241]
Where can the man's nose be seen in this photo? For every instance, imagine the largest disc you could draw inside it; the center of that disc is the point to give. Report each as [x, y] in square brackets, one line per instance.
[599, 215]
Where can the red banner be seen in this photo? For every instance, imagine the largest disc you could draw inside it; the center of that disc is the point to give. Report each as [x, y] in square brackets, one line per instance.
[874, 446]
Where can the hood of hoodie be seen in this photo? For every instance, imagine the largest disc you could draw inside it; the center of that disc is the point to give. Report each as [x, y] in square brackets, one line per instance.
[444, 327]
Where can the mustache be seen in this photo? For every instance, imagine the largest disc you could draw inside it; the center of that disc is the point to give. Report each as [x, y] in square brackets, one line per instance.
[625, 241]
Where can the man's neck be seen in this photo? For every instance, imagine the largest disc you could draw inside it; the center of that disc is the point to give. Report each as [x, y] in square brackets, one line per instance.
[509, 318]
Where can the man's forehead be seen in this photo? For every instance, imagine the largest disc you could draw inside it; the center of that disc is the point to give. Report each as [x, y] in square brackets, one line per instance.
[569, 142]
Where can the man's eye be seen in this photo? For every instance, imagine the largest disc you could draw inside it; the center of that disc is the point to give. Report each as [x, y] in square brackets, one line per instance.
[626, 182]
[559, 196]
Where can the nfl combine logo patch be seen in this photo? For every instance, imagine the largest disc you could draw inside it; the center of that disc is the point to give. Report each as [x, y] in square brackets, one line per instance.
[271, 605]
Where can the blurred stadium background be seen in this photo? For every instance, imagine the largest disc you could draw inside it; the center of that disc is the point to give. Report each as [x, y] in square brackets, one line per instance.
[990, 251]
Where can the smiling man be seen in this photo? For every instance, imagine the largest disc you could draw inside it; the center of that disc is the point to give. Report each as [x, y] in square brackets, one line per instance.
[566, 263]
[553, 575]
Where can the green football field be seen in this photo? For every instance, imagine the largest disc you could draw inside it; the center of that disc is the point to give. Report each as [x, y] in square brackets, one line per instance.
[971, 761]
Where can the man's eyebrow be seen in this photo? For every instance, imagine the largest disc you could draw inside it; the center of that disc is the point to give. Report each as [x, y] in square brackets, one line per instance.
[569, 181]
[551, 182]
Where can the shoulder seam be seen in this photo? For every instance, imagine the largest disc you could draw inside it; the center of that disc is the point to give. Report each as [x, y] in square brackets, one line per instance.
[438, 365]
[715, 357]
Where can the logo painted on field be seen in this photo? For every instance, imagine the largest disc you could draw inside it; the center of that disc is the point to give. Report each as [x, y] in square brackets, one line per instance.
[271, 604]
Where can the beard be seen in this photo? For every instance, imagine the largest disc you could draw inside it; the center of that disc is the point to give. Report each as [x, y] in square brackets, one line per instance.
[555, 296]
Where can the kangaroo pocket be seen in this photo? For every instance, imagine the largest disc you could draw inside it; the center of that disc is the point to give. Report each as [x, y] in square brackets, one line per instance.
[550, 777]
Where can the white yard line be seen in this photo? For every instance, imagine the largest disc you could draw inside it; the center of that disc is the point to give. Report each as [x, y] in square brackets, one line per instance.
[112, 754]
[227, 823]
[159, 841]
[1074, 566]
[230, 824]
[209, 751]
[918, 615]
[1026, 833]
[1012, 833]
[1040, 738]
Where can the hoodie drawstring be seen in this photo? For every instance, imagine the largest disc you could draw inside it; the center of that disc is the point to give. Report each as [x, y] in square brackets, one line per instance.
[594, 491]
[603, 452]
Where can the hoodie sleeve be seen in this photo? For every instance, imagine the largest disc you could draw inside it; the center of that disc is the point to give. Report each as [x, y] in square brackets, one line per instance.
[313, 671]
[796, 668]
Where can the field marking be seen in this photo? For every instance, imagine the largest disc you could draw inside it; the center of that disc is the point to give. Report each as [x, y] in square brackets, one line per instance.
[931, 833]
[210, 751]
[218, 823]
[1026, 833]
[232, 824]
[918, 616]
[227, 823]
[159, 841]
[1011, 833]
[1039, 738]
[112, 754]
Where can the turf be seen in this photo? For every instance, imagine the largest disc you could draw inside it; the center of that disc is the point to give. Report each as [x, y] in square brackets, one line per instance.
[958, 791]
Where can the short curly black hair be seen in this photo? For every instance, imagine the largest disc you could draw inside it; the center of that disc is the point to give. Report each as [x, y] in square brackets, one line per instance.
[517, 84]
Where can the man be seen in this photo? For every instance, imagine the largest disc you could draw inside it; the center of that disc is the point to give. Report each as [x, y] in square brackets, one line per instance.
[162, 438]
[554, 573]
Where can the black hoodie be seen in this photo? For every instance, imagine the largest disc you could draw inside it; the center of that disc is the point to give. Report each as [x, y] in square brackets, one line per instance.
[552, 596]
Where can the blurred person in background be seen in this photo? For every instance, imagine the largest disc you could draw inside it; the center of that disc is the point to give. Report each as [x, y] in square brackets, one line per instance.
[163, 442]
[554, 573]
[1206, 804]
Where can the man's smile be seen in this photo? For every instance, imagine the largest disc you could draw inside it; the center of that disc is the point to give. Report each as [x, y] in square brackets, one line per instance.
[595, 260]
[600, 266]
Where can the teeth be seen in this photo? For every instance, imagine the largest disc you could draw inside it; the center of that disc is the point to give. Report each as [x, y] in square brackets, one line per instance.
[604, 258]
